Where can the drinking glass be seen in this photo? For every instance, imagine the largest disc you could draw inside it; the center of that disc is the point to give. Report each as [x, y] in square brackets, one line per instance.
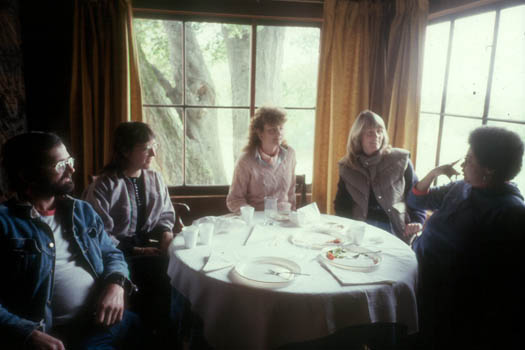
[270, 209]
[247, 213]
[206, 232]
[190, 234]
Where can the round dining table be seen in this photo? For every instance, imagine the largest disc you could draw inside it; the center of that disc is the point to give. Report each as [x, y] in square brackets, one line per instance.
[312, 300]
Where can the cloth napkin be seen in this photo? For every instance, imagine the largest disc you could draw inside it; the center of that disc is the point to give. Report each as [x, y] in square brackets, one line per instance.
[219, 259]
[354, 278]
[260, 235]
[306, 215]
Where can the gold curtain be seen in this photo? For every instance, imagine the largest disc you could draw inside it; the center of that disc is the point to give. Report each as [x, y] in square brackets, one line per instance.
[105, 85]
[361, 67]
[405, 62]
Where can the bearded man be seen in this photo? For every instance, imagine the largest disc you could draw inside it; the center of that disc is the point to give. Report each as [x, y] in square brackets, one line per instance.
[63, 280]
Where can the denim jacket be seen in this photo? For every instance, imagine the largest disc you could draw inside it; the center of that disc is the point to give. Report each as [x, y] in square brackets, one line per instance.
[27, 262]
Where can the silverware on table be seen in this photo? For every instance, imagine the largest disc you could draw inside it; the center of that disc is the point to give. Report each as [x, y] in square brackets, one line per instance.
[278, 273]
[366, 254]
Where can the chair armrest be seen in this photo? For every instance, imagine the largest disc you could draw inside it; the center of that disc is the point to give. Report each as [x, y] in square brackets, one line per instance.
[182, 211]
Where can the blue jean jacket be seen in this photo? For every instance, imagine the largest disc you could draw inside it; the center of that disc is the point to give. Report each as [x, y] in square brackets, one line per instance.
[27, 262]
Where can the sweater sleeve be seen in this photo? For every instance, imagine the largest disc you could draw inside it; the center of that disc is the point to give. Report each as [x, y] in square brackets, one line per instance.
[237, 195]
[343, 202]
[416, 215]
[428, 201]
[167, 216]
[97, 195]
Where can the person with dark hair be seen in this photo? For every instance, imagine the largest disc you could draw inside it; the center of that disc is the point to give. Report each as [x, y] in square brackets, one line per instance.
[63, 281]
[131, 198]
[469, 253]
[266, 168]
[137, 212]
[374, 180]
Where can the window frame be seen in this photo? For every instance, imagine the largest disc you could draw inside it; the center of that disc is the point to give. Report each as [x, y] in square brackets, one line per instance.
[253, 21]
[453, 16]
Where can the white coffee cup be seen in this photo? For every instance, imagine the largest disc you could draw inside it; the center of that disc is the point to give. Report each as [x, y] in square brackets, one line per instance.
[284, 208]
[247, 213]
[357, 232]
[190, 234]
[206, 232]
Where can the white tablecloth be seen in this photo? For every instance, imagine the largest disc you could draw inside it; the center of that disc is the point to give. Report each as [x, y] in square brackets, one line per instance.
[237, 316]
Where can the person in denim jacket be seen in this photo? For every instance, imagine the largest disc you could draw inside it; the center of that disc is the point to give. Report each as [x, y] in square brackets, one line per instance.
[63, 280]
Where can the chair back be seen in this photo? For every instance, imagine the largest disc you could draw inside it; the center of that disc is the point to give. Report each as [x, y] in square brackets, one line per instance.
[300, 187]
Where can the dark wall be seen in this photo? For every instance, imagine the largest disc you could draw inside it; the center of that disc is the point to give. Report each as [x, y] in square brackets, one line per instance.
[46, 29]
[298, 9]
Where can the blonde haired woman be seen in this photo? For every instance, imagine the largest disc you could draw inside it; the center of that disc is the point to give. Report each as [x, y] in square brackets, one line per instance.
[374, 180]
[267, 165]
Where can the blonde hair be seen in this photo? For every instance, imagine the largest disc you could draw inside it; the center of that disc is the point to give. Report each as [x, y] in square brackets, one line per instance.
[364, 121]
[264, 115]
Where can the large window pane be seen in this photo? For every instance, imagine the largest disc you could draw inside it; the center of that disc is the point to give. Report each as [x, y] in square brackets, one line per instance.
[160, 48]
[469, 64]
[436, 46]
[427, 144]
[507, 99]
[217, 64]
[233, 129]
[207, 99]
[520, 129]
[299, 133]
[211, 145]
[454, 143]
[167, 124]
[287, 61]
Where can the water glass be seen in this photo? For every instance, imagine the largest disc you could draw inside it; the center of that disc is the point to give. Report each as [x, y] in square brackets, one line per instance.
[270, 209]
[206, 232]
[247, 213]
[190, 234]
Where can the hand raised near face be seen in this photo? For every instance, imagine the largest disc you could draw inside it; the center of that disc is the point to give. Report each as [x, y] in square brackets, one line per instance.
[447, 169]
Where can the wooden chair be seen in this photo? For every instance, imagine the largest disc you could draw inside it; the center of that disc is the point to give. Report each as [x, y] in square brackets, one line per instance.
[182, 210]
[300, 187]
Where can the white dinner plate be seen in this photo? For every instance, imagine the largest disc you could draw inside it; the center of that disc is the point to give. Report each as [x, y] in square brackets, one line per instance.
[256, 272]
[316, 240]
[352, 257]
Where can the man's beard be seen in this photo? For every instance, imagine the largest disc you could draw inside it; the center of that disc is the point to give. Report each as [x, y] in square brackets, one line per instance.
[62, 189]
[59, 188]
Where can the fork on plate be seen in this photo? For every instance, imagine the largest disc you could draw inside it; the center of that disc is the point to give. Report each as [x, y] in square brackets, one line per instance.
[365, 254]
[278, 273]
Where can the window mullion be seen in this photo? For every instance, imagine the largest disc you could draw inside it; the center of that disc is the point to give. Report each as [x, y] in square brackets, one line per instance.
[183, 33]
[491, 68]
[253, 53]
[444, 93]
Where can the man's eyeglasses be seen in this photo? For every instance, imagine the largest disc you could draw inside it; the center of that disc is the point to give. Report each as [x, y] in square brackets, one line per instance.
[154, 146]
[60, 167]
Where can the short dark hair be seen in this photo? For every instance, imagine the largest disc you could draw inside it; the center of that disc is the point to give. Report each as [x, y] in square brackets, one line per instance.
[127, 136]
[497, 149]
[26, 154]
